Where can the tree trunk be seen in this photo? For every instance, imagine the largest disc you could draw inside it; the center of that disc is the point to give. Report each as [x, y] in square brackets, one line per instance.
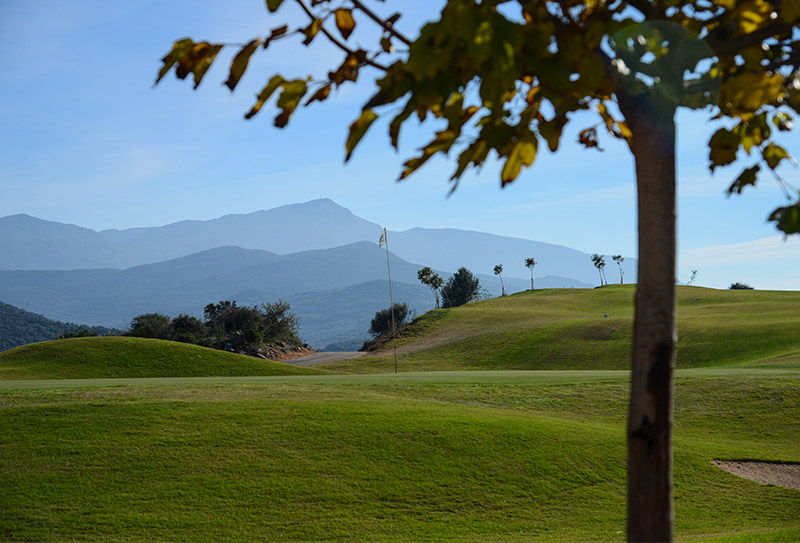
[650, 505]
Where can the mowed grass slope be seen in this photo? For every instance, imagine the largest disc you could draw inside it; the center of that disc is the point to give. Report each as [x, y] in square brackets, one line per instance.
[347, 462]
[592, 329]
[120, 357]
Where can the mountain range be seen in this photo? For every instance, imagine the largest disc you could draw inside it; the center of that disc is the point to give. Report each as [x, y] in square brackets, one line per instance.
[318, 256]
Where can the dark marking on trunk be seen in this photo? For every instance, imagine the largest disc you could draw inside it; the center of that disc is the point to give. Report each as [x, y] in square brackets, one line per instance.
[645, 432]
[658, 378]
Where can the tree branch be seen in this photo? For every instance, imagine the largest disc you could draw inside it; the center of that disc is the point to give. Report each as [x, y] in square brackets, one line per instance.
[730, 46]
[335, 41]
[383, 24]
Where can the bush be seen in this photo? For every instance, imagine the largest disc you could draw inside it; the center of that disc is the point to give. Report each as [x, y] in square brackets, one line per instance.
[151, 325]
[245, 329]
[740, 286]
[188, 329]
[381, 324]
[226, 326]
[460, 289]
[80, 332]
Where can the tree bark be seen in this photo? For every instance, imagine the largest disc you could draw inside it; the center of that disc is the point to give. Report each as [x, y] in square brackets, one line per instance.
[650, 504]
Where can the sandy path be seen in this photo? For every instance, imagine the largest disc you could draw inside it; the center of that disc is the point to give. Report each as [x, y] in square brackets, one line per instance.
[321, 358]
[767, 473]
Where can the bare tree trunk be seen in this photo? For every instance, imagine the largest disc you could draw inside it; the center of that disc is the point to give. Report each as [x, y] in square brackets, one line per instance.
[650, 504]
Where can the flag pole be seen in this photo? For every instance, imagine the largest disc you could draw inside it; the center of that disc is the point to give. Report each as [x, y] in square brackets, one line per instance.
[384, 240]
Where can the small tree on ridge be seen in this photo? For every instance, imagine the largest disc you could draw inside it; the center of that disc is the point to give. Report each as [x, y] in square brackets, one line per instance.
[432, 280]
[530, 263]
[498, 271]
[619, 259]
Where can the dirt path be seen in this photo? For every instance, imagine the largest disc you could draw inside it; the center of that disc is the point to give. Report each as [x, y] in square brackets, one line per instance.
[321, 358]
[766, 473]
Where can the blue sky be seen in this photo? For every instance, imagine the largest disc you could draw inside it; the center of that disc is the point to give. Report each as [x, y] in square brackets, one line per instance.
[87, 140]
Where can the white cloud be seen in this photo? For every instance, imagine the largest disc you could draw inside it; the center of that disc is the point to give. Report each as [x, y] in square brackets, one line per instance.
[761, 250]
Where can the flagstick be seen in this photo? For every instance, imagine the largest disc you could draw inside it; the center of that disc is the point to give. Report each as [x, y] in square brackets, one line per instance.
[391, 299]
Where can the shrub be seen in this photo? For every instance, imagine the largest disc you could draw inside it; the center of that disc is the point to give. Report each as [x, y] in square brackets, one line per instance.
[188, 329]
[460, 289]
[740, 286]
[151, 325]
[381, 324]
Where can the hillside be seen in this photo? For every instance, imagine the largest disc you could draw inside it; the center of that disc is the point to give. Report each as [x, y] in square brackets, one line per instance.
[122, 357]
[511, 457]
[20, 327]
[332, 290]
[591, 329]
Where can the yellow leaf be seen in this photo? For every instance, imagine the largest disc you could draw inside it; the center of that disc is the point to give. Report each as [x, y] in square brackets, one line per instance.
[345, 22]
[744, 94]
[523, 154]
[273, 5]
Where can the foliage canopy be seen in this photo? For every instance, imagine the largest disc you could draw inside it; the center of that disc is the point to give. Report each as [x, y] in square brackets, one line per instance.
[461, 288]
[504, 77]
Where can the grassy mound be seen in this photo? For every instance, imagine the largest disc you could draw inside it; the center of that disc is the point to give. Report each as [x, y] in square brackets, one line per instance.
[592, 329]
[530, 460]
[118, 357]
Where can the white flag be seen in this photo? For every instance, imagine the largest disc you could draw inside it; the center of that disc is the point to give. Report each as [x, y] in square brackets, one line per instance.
[382, 241]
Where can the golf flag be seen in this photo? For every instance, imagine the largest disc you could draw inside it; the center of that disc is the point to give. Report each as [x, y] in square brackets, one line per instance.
[382, 241]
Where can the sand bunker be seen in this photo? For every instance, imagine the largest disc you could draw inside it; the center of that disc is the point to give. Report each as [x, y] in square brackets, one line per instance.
[767, 473]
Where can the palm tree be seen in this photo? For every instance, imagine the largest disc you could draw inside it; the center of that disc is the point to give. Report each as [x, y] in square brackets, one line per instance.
[530, 263]
[619, 259]
[599, 263]
[498, 271]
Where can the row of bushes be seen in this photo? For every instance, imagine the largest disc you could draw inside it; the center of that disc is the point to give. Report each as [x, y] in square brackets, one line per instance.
[225, 326]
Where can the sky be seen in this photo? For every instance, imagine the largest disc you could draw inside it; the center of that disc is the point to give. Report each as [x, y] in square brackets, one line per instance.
[86, 139]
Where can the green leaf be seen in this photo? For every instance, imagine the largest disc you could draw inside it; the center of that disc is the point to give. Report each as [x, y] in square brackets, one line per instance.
[345, 22]
[273, 5]
[723, 146]
[523, 154]
[748, 177]
[202, 55]
[273, 84]
[179, 48]
[240, 62]
[394, 126]
[551, 131]
[787, 219]
[773, 154]
[474, 154]
[357, 131]
[293, 92]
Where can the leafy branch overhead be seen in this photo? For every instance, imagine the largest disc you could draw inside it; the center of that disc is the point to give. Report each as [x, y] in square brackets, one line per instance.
[501, 77]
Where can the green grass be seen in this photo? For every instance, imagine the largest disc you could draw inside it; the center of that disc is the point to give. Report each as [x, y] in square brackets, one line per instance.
[384, 458]
[124, 439]
[592, 329]
[121, 357]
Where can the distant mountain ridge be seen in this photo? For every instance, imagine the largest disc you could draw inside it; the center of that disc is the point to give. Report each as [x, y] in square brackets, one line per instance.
[27, 243]
[317, 255]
